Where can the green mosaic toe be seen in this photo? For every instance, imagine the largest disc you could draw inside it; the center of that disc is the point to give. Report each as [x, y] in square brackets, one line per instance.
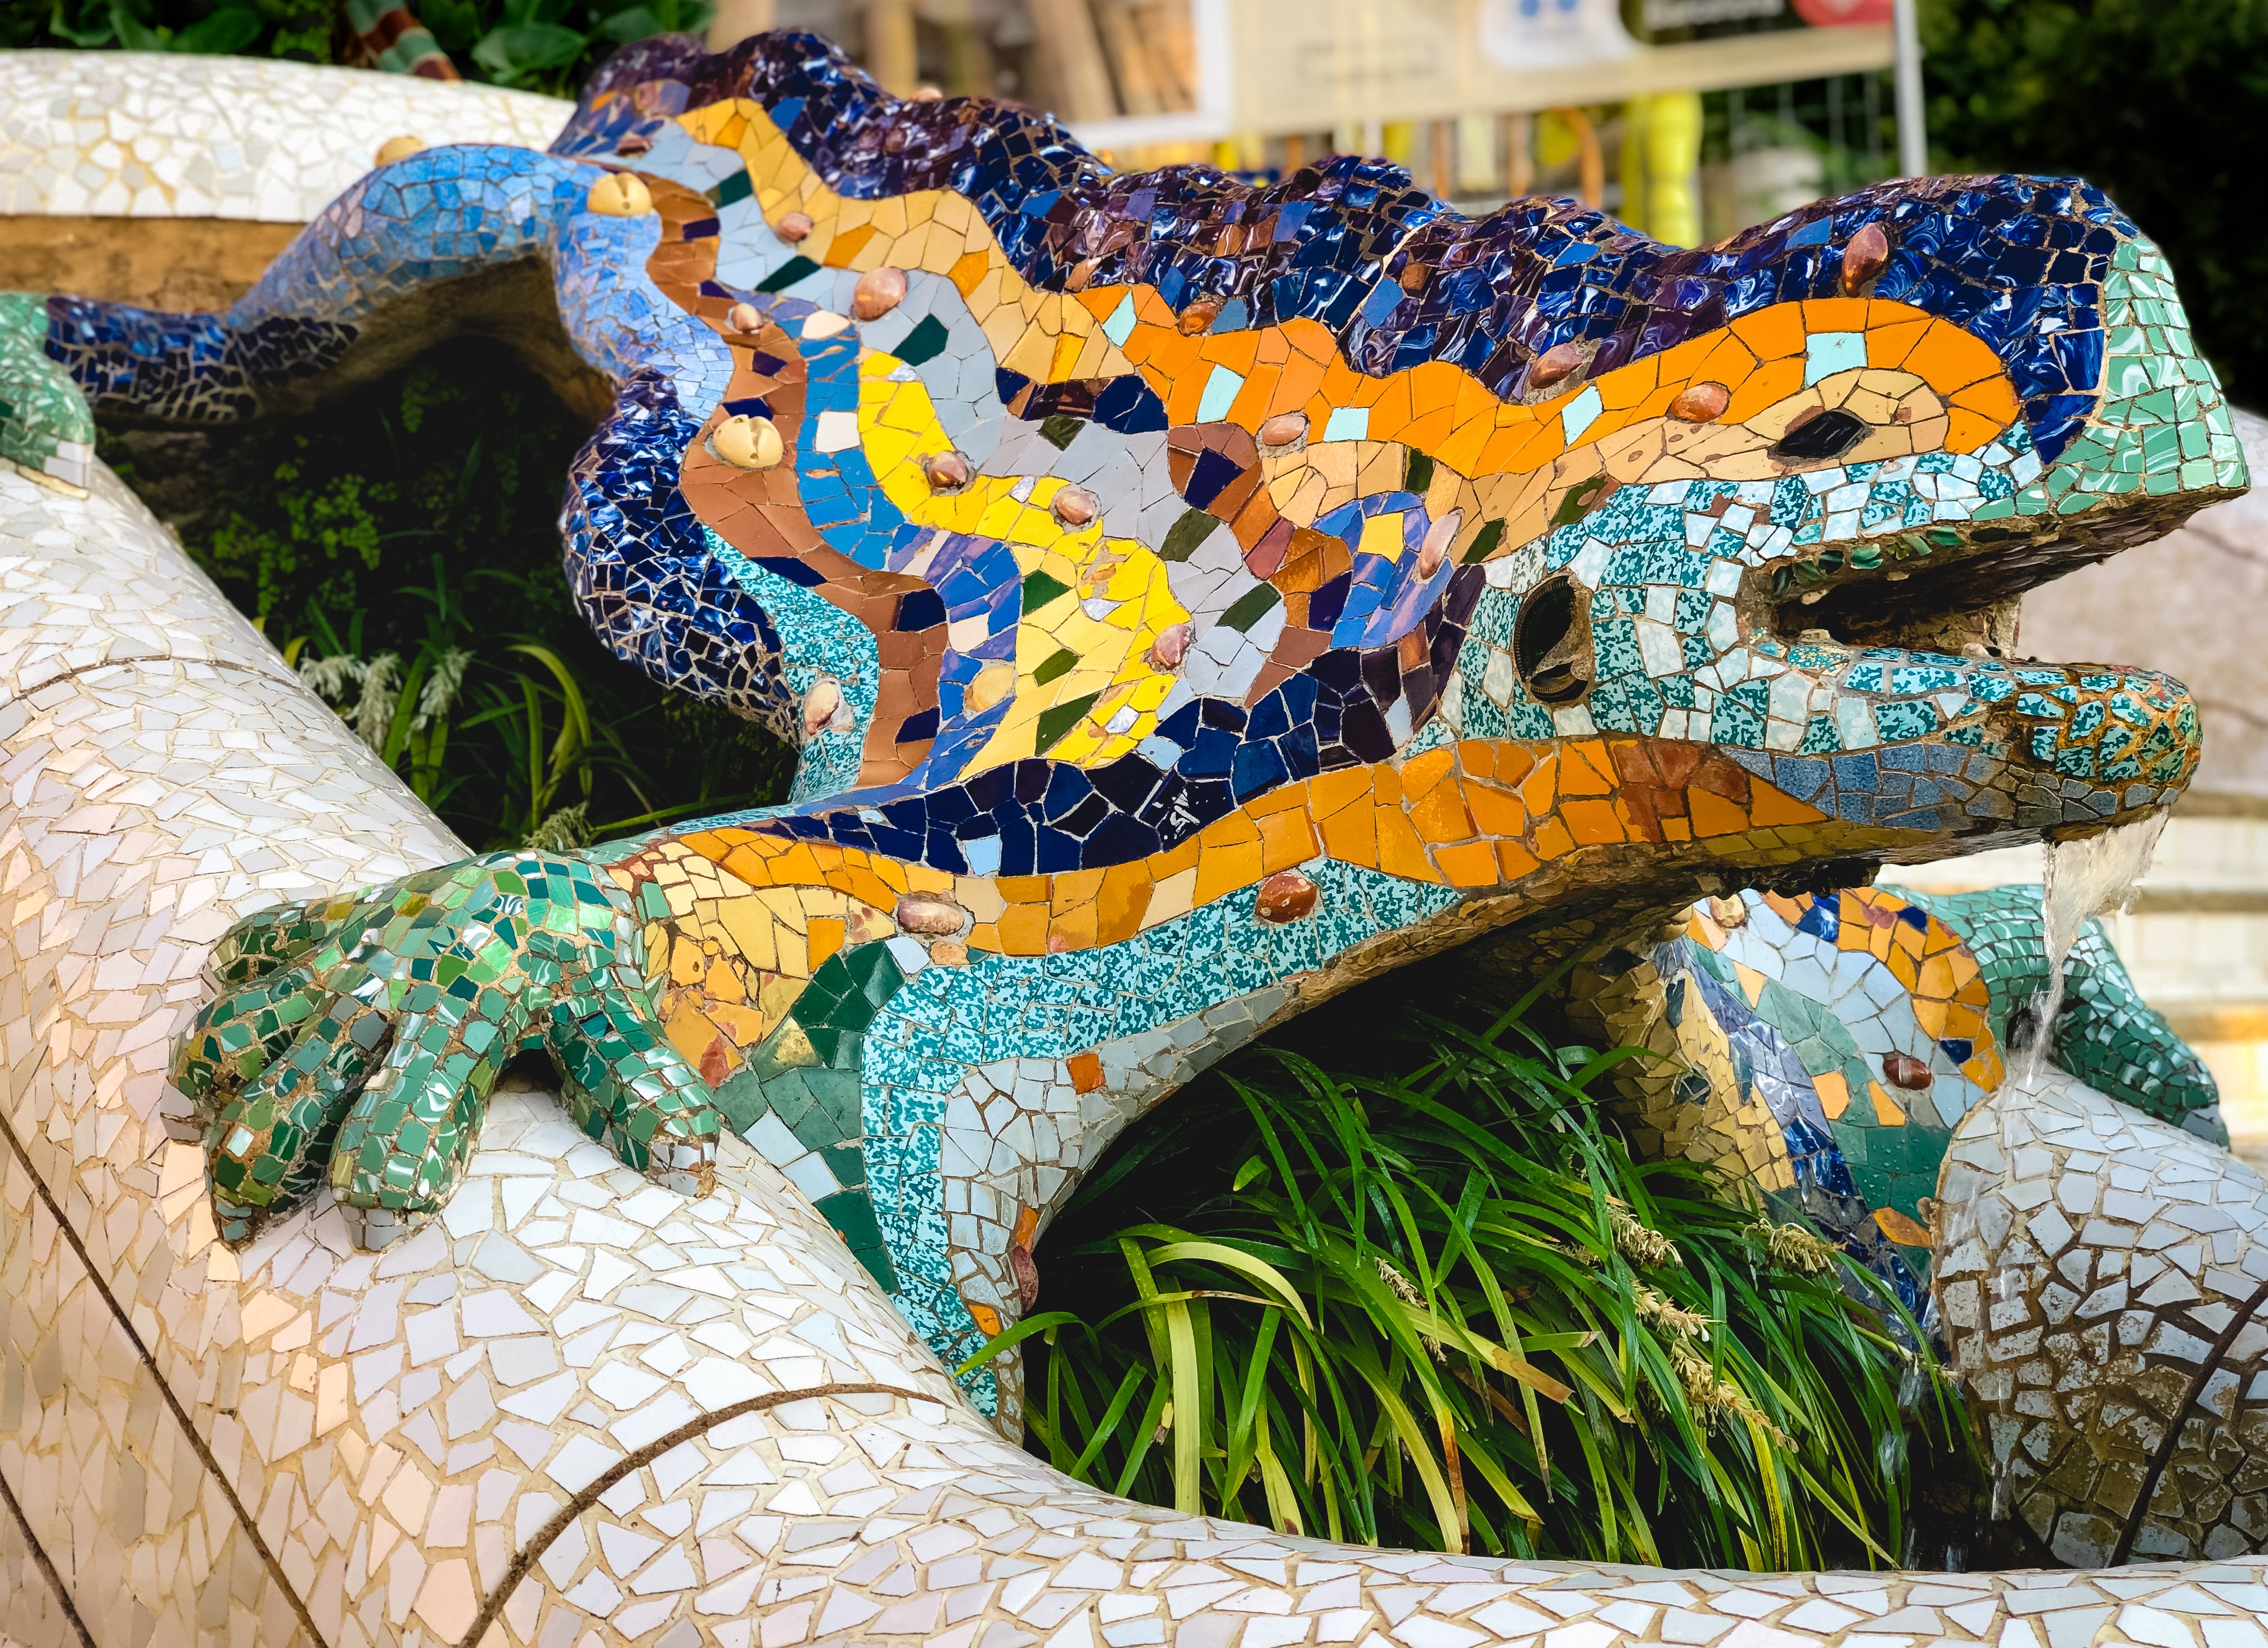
[622, 1081]
[359, 1040]
[259, 944]
[267, 1145]
[46, 428]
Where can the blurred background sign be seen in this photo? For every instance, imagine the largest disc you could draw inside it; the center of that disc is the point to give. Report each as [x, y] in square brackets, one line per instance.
[1329, 62]
[1687, 119]
[1134, 73]
[1526, 35]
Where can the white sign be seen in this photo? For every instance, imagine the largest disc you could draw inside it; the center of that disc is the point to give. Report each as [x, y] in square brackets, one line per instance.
[1528, 34]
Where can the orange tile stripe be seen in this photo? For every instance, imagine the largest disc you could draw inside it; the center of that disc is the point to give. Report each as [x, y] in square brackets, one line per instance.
[1950, 997]
[1297, 366]
[1476, 815]
[1760, 358]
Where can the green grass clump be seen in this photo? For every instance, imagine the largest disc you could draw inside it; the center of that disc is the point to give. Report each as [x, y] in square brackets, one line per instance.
[538, 44]
[401, 548]
[1423, 1296]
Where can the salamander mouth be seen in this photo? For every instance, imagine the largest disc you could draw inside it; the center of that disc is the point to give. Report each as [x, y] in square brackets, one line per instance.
[1948, 588]
[1908, 637]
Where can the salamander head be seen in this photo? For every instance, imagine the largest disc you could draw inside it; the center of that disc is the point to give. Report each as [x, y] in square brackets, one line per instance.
[1799, 537]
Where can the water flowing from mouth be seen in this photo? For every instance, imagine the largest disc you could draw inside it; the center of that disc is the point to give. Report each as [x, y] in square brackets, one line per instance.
[2089, 877]
[2082, 879]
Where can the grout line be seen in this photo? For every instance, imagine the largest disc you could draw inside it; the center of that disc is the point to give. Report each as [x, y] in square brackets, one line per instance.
[47, 1568]
[18, 694]
[2176, 1425]
[604, 1482]
[165, 1387]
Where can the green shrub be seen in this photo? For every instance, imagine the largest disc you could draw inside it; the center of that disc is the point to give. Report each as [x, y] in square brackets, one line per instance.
[403, 548]
[2164, 103]
[537, 45]
[1386, 1296]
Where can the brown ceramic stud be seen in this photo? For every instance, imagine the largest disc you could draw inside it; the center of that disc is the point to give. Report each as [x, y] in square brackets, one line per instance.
[793, 226]
[1198, 316]
[1171, 647]
[1864, 256]
[1284, 429]
[948, 471]
[820, 704]
[995, 681]
[1556, 364]
[928, 916]
[1076, 506]
[1701, 403]
[879, 291]
[621, 195]
[1903, 1069]
[743, 317]
[1434, 547]
[634, 144]
[1285, 897]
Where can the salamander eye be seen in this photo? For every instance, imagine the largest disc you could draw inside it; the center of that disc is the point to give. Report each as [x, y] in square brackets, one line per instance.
[1551, 642]
[1828, 435]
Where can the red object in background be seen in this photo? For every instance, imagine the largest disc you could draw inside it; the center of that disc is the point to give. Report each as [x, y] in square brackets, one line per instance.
[1843, 13]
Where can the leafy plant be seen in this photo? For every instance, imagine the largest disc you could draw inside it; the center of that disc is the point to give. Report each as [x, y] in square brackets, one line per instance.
[136, 26]
[541, 45]
[404, 547]
[553, 43]
[2164, 103]
[406, 714]
[1434, 1301]
[394, 717]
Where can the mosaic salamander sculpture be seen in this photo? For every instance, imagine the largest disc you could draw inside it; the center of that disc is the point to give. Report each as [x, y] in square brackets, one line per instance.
[1265, 722]
[1187, 598]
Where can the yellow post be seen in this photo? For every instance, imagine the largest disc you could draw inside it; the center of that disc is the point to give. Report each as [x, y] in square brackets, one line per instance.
[1568, 133]
[890, 56]
[1673, 167]
[1241, 151]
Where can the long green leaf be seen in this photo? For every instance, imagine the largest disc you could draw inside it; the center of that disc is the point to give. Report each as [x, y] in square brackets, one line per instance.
[1340, 1266]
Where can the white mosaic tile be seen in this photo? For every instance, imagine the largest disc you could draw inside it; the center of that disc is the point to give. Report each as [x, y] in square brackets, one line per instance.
[2079, 1321]
[244, 137]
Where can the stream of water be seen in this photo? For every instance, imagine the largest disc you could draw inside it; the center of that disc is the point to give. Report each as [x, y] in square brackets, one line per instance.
[2089, 877]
